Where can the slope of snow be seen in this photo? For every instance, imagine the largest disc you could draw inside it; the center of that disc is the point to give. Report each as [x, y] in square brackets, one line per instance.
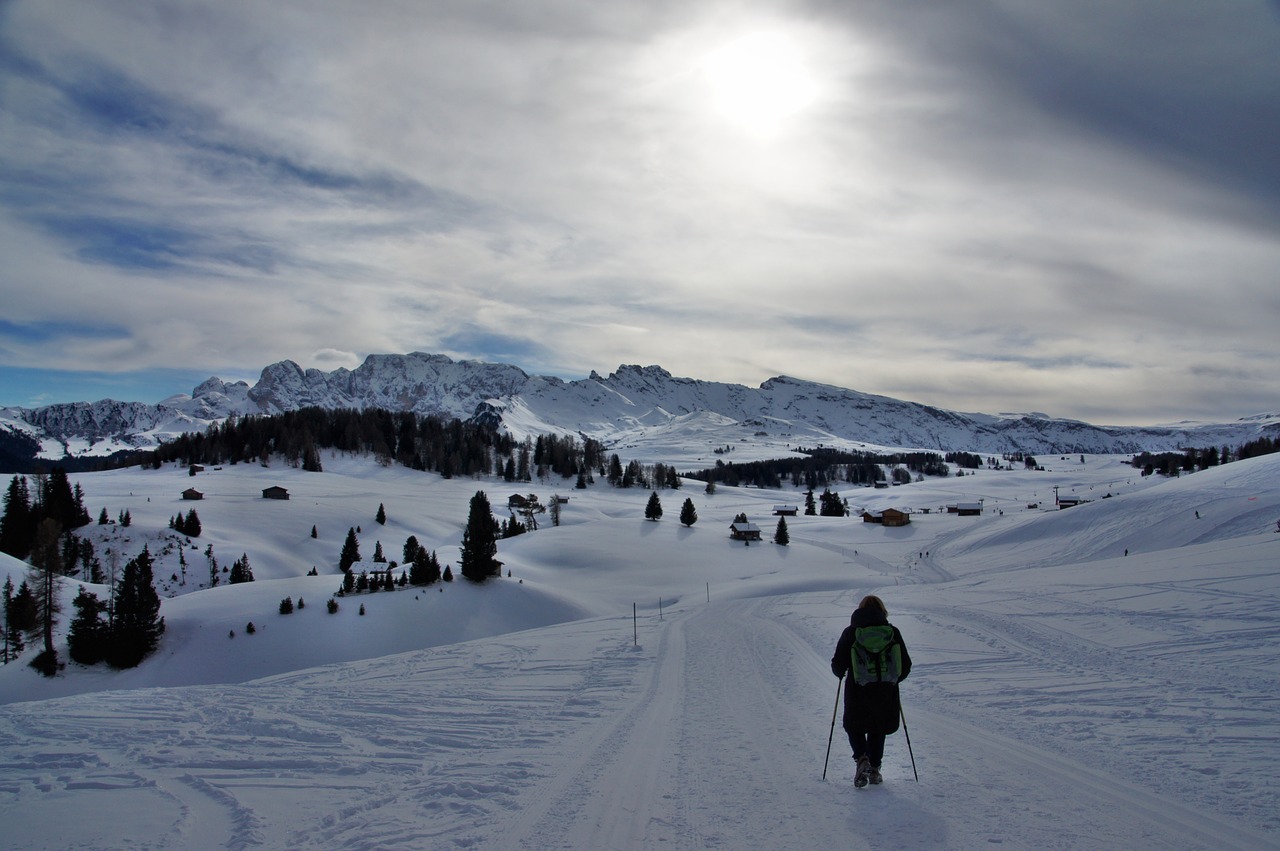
[1064, 695]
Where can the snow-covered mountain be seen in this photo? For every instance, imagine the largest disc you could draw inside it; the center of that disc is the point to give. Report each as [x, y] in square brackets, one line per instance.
[644, 409]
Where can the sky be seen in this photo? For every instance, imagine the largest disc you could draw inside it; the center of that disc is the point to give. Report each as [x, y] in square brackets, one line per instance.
[985, 205]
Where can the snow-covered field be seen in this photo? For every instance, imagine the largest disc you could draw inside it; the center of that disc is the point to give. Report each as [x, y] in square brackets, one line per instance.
[1065, 694]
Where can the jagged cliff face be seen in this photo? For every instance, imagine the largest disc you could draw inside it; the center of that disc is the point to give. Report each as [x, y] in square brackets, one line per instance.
[423, 383]
[641, 408]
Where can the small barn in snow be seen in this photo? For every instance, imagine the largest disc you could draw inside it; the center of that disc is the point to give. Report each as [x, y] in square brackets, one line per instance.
[895, 517]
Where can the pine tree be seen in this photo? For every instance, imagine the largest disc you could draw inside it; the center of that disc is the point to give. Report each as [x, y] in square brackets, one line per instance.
[479, 561]
[22, 618]
[241, 571]
[780, 535]
[213, 566]
[711, 486]
[381, 516]
[832, 505]
[688, 514]
[46, 566]
[62, 504]
[350, 551]
[17, 529]
[424, 568]
[191, 527]
[653, 511]
[409, 554]
[88, 637]
[137, 625]
[13, 644]
[512, 527]
[103, 519]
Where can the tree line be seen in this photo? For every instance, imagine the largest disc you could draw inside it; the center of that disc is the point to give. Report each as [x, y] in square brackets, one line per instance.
[1192, 459]
[820, 468]
[448, 446]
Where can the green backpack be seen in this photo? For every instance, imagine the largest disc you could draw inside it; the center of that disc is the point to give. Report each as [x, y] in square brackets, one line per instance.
[877, 658]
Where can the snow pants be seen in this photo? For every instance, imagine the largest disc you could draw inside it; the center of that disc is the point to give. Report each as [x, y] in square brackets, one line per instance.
[870, 745]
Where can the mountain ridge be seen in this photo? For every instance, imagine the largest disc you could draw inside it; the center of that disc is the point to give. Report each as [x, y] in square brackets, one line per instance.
[644, 409]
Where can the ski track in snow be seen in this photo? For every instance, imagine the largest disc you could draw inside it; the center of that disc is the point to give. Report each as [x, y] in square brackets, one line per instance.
[708, 734]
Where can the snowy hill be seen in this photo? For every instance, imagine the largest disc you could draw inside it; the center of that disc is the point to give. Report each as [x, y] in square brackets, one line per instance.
[1100, 676]
[642, 409]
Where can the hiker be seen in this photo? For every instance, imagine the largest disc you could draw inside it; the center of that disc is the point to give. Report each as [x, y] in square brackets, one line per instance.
[871, 678]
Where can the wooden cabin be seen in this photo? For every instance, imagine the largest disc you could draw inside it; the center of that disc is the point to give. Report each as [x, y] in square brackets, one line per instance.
[895, 517]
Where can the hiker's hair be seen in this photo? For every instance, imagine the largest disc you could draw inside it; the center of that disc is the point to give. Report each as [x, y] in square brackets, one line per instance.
[871, 601]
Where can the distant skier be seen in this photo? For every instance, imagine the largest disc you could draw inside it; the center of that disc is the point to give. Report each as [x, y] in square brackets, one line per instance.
[872, 659]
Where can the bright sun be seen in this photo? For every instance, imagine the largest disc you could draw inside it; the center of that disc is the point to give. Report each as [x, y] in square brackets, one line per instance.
[759, 82]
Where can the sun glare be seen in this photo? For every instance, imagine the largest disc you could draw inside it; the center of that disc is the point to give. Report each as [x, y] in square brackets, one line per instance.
[759, 82]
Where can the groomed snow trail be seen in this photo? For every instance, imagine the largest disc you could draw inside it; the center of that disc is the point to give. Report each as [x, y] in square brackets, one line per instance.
[721, 746]
[708, 733]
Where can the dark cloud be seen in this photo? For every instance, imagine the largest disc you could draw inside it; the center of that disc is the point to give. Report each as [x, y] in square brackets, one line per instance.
[1188, 85]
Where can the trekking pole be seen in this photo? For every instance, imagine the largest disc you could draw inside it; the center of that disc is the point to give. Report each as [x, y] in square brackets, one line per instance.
[832, 734]
[908, 735]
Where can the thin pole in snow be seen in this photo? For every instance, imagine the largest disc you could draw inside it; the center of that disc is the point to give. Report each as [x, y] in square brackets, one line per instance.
[659, 608]
[708, 592]
[635, 627]
[831, 736]
[903, 716]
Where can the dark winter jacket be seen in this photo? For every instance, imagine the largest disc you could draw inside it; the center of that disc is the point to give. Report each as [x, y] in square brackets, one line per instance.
[872, 708]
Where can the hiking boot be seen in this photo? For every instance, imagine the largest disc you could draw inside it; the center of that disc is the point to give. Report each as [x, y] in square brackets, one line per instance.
[873, 775]
[864, 772]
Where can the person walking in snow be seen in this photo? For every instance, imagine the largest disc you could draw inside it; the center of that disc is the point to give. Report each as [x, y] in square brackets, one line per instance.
[872, 659]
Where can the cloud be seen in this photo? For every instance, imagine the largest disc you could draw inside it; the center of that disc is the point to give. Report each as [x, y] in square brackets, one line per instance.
[980, 204]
